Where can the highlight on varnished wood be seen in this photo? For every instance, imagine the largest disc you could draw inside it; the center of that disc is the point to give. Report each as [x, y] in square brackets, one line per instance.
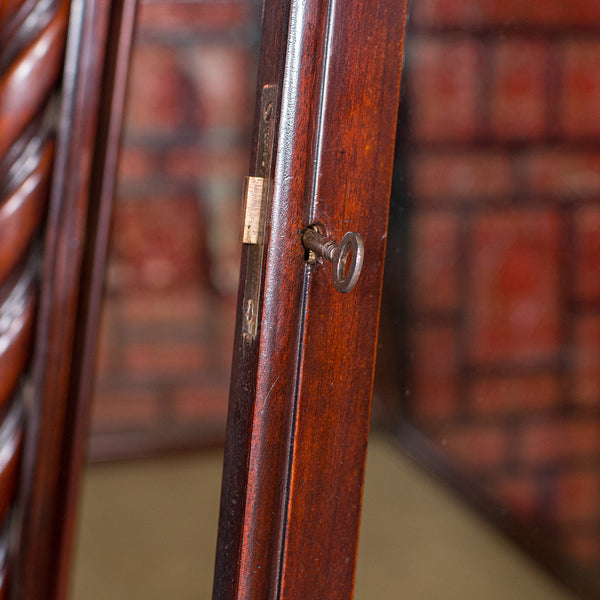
[11, 446]
[27, 83]
[4, 564]
[11, 442]
[26, 158]
[3, 584]
[32, 46]
[300, 395]
[22, 210]
[16, 331]
[87, 116]
[8, 11]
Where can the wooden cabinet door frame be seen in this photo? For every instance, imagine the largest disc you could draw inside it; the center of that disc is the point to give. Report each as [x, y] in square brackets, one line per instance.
[327, 100]
[56, 382]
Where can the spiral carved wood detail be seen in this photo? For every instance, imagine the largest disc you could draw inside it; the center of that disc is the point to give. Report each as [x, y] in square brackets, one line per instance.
[3, 565]
[32, 43]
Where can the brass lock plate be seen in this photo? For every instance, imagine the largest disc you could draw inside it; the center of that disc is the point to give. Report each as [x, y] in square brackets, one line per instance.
[253, 210]
[257, 192]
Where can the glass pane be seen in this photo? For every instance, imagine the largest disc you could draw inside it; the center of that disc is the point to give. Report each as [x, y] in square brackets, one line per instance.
[169, 310]
[490, 360]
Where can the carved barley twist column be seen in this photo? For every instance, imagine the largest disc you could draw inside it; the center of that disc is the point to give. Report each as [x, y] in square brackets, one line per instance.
[32, 40]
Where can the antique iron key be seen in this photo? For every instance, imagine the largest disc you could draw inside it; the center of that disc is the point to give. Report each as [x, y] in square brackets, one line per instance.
[345, 274]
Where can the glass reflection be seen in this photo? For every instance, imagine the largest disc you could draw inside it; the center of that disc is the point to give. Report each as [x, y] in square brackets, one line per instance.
[491, 315]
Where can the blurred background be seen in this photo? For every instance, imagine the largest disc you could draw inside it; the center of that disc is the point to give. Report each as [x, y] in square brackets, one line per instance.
[489, 356]
[171, 286]
[493, 281]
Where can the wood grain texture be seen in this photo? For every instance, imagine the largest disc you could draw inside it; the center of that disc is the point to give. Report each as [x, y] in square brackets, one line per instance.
[32, 36]
[51, 182]
[119, 41]
[263, 373]
[300, 395]
[37, 574]
[352, 181]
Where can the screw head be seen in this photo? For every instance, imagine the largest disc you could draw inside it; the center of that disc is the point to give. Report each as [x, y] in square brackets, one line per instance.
[268, 111]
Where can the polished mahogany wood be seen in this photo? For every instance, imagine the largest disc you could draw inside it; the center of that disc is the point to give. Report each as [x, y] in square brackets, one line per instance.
[351, 187]
[300, 394]
[22, 211]
[32, 46]
[8, 8]
[119, 41]
[4, 565]
[60, 62]
[11, 442]
[79, 208]
[16, 335]
[27, 84]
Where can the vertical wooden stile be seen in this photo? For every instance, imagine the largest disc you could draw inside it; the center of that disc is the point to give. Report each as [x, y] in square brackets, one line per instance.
[302, 374]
